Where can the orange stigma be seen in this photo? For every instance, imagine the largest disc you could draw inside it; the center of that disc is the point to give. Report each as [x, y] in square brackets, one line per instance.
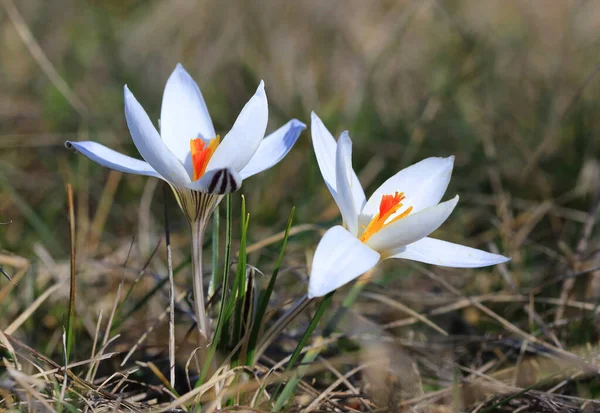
[201, 154]
[387, 207]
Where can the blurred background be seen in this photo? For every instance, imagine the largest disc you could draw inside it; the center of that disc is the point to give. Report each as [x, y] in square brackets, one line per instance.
[510, 87]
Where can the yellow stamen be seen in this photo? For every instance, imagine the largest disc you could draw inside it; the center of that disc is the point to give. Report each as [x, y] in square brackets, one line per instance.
[388, 206]
[201, 154]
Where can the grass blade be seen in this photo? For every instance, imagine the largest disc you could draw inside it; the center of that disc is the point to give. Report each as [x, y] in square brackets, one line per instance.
[73, 285]
[287, 391]
[240, 282]
[265, 296]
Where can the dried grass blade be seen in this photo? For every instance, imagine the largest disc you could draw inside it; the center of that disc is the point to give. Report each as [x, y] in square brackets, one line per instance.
[73, 281]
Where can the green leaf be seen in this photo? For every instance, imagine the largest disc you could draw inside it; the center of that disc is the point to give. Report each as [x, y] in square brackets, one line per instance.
[265, 296]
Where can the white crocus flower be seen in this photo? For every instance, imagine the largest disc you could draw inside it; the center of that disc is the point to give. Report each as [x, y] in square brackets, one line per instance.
[394, 223]
[188, 154]
[192, 159]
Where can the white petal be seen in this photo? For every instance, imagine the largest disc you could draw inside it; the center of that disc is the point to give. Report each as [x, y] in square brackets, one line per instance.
[447, 254]
[183, 115]
[217, 181]
[340, 257]
[273, 148]
[244, 138]
[423, 184]
[149, 144]
[412, 228]
[343, 181]
[112, 159]
[325, 151]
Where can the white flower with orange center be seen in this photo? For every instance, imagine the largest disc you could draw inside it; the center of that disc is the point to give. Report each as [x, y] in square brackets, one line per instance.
[394, 223]
[188, 154]
[192, 158]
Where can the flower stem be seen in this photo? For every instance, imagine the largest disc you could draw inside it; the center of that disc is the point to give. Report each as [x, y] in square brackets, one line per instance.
[197, 228]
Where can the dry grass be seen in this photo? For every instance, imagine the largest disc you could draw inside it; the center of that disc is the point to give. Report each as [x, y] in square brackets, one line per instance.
[509, 87]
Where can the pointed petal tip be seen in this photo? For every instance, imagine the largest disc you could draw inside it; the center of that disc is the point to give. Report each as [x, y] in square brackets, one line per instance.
[448, 160]
[180, 70]
[317, 125]
[112, 159]
[295, 123]
[502, 259]
[260, 92]
[127, 93]
[451, 203]
[492, 259]
[345, 135]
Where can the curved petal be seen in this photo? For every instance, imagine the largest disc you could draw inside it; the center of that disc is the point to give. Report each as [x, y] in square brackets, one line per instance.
[273, 148]
[217, 181]
[149, 144]
[343, 180]
[412, 228]
[423, 184]
[447, 254]
[325, 151]
[244, 138]
[183, 115]
[340, 257]
[111, 158]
